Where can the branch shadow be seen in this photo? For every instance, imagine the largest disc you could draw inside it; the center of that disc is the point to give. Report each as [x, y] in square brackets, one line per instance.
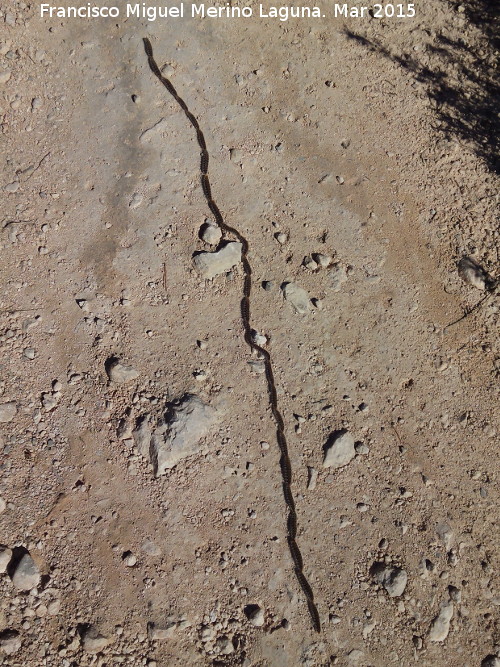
[462, 80]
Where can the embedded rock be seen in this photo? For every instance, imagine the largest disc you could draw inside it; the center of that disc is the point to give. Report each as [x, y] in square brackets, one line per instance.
[211, 264]
[339, 450]
[180, 436]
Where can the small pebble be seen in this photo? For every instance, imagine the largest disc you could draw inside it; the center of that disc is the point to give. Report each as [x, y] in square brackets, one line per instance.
[235, 155]
[393, 579]
[29, 352]
[210, 233]
[129, 559]
[281, 237]
[324, 261]
[310, 264]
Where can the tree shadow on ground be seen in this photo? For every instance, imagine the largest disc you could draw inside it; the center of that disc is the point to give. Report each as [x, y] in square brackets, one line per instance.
[461, 78]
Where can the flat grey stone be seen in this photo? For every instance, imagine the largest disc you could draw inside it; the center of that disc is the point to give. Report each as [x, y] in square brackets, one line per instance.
[440, 626]
[10, 641]
[142, 437]
[338, 276]
[211, 264]
[120, 373]
[93, 641]
[161, 632]
[393, 579]
[297, 297]
[26, 574]
[339, 450]
[188, 423]
[8, 411]
[211, 233]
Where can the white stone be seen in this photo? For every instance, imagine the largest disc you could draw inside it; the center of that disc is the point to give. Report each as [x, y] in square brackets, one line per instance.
[255, 615]
[26, 574]
[310, 264]
[54, 607]
[491, 661]
[211, 264]
[7, 411]
[211, 233]
[473, 274]
[5, 556]
[142, 437]
[340, 450]
[120, 373]
[338, 276]
[93, 641]
[3, 505]
[298, 298]
[323, 260]
[181, 436]
[10, 642]
[393, 579]
[440, 626]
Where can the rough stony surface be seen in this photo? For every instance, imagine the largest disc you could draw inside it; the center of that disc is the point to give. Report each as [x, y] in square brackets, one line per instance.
[187, 423]
[211, 264]
[339, 450]
[369, 147]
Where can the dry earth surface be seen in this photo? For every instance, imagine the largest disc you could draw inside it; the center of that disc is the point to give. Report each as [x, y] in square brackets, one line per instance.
[142, 526]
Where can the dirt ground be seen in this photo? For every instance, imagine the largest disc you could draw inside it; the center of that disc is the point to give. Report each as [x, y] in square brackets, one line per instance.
[370, 143]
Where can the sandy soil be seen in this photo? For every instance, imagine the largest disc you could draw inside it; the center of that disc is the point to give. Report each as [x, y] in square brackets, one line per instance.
[368, 142]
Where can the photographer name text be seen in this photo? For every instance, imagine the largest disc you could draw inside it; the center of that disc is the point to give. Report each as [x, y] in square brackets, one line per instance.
[201, 10]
